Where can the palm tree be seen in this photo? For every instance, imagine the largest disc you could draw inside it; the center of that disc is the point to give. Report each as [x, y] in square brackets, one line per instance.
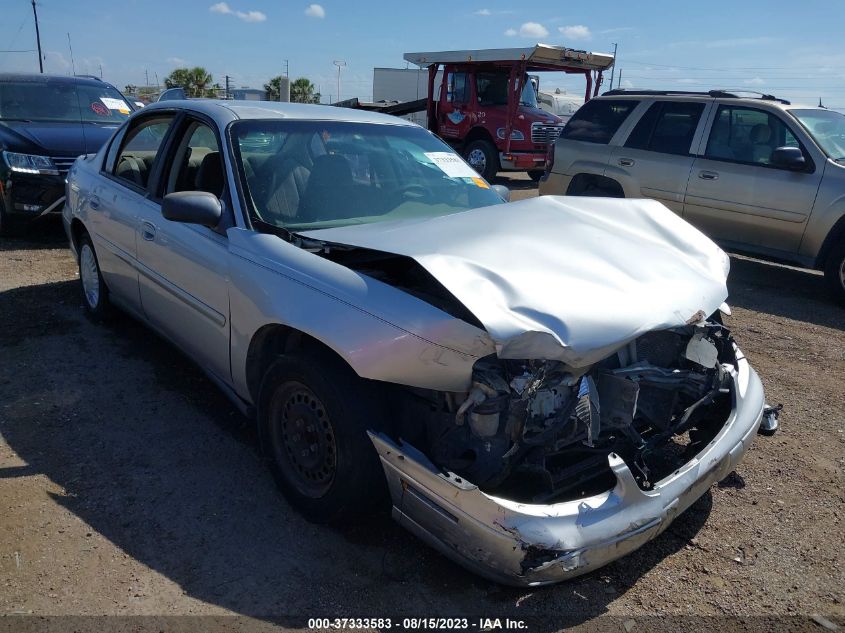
[303, 91]
[179, 78]
[200, 79]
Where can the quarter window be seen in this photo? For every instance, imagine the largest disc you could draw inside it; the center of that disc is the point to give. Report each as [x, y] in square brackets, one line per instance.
[747, 135]
[597, 120]
[139, 151]
[667, 127]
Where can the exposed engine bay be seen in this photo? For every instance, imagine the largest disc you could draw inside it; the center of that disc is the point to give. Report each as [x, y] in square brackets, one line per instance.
[540, 432]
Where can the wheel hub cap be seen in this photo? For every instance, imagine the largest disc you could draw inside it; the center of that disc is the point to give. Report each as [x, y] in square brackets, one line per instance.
[308, 441]
[477, 160]
[90, 276]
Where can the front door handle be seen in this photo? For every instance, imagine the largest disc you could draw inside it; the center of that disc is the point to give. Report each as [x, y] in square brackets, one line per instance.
[708, 175]
[626, 162]
[93, 202]
[148, 231]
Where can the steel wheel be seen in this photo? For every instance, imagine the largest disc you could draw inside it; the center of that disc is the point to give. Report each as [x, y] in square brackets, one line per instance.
[477, 160]
[90, 274]
[304, 440]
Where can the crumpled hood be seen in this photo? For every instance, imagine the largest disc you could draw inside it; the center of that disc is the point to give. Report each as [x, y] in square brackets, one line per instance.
[561, 278]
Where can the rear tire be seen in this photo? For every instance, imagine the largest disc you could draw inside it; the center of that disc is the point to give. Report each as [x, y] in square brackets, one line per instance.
[483, 158]
[834, 271]
[313, 417]
[95, 293]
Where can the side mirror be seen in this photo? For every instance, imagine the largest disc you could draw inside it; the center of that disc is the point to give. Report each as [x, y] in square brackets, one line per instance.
[192, 207]
[789, 158]
[504, 192]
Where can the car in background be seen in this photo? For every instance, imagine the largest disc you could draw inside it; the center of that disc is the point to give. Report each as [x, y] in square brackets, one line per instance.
[559, 103]
[541, 386]
[757, 174]
[45, 123]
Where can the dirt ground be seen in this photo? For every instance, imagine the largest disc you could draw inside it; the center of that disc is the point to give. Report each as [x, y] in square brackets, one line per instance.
[129, 485]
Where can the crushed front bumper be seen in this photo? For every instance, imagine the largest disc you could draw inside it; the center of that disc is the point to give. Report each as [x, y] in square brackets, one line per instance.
[523, 544]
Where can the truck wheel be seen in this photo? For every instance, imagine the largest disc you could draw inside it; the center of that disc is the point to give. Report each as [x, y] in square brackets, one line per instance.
[536, 174]
[483, 158]
[94, 291]
[834, 271]
[313, 417]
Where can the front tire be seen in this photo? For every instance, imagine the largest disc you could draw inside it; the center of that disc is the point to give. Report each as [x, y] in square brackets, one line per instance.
[313, 415]
[95, 293]
[834, 271]
[483, 158]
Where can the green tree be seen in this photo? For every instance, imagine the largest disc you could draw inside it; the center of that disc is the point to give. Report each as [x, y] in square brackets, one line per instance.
[179, 78]
[272, 88]
[303, 91]
[195, 81]
[130, 89]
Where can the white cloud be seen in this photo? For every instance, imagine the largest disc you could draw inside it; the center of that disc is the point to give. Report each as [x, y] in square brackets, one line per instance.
[687, 81]
[247, 16]
[483, 12]
[56, 60]
[177, 61]
[575, 32]
[315, 11]
[756, 81]
[529, 30]
[627, 84]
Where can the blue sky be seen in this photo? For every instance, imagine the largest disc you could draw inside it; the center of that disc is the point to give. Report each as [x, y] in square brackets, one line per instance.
[790, 49]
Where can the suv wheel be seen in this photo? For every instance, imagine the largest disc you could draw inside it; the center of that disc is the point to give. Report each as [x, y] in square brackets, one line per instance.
[483, 158]
[313, 416]
[834, 271]
[95, 293]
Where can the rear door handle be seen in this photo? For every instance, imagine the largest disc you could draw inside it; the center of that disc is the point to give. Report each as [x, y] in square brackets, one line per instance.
[708, 175]
[626, 162]
[148, 231]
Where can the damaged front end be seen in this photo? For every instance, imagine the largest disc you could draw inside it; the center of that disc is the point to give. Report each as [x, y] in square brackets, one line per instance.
[543, 471]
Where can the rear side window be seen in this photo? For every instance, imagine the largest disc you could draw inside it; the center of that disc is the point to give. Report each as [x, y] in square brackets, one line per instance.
[597, 120]
[667, 127]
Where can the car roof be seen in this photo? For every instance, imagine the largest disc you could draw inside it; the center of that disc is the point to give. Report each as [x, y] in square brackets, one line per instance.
[55, 79]
[227, 110]
[663, 95]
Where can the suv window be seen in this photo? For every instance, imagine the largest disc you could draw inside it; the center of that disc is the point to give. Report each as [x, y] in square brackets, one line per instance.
[667, 127]
[747, 135]
[597, 120]
[62, 101]
[140, 148]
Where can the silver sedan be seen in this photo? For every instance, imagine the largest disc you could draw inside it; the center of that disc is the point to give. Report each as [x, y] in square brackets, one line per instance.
[539, 387]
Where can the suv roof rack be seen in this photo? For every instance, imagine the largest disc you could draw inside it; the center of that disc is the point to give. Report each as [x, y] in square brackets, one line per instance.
[715, 94]
[89, 77]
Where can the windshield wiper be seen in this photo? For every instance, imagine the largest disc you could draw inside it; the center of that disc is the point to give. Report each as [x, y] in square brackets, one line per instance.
[15, 119]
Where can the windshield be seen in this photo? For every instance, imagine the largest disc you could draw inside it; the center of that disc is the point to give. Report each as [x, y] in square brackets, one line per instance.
[62, 101]
[492, 89]
[827, 128]
[302, 175]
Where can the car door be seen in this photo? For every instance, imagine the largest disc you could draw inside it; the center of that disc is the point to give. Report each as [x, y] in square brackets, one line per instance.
[657, 155]
[736, 195]
[184, 267]
[119, 198]
[453, 118]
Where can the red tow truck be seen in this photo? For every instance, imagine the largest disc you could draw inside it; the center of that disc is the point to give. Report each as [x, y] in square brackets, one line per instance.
[484, 102]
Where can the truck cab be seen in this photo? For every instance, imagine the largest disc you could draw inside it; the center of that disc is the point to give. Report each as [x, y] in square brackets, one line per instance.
[484, 103]
[473, 111]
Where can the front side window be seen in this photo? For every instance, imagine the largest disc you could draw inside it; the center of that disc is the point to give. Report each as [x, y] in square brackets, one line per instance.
[457, 88]
[492, 89]
[320, 174]
[62, 101]
[667, 127]
[141, 146]
[597, 120]
[827, 128]
[747, 135]
[198, 165]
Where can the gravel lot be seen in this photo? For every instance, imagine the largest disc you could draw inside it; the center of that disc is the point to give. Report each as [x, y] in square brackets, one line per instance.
[130, 485]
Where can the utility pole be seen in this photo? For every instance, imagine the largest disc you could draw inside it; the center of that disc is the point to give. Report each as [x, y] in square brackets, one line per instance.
[619, 82]
[38, 39]
[227, 86]
[146, 77]
[101, 71]
[287, 69]
[340, 64]
[613, 70]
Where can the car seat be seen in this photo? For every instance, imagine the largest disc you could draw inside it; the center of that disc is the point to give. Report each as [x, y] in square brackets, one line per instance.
[327, 195]
[761, 143]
